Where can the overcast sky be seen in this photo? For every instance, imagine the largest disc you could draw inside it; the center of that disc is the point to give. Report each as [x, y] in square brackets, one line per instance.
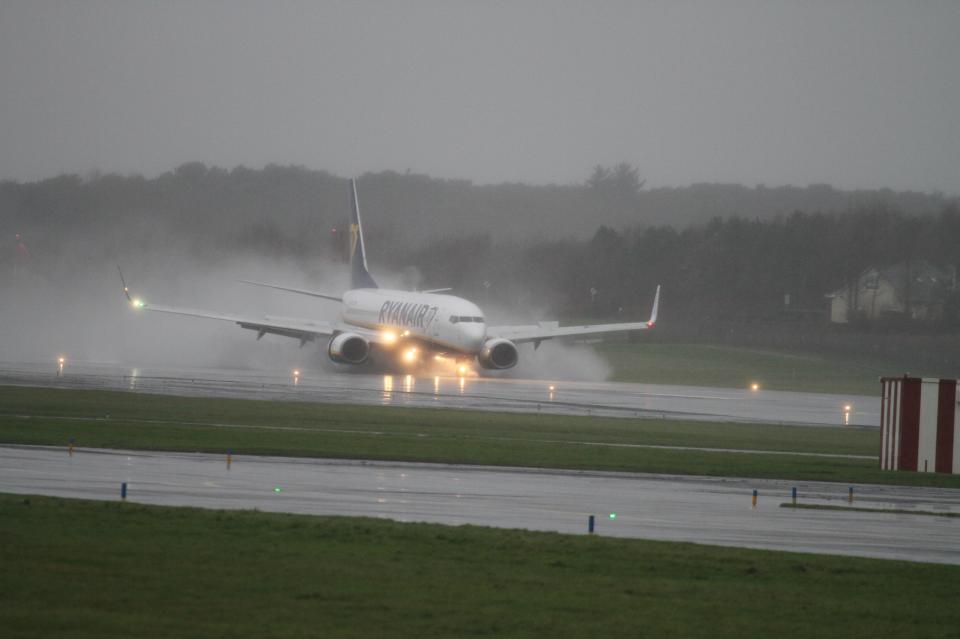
[856, 94]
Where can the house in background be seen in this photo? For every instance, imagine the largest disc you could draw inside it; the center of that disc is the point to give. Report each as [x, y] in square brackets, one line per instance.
[913, 291]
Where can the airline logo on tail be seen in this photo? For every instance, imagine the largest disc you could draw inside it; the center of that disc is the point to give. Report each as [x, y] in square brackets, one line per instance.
[358, 256]
[354, 240]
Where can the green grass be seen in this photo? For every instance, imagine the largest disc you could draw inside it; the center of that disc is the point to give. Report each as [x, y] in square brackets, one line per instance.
[156, 422]
[107, 569]
[702, 365]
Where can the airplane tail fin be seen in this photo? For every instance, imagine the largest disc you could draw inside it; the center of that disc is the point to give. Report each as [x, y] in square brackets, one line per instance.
[359, 275]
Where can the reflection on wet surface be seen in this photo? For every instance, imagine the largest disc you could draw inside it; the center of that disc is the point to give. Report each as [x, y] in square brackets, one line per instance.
[476, 393]
[698, 509]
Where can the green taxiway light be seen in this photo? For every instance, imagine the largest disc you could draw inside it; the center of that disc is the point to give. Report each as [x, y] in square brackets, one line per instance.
[613, 515]
[277, 489]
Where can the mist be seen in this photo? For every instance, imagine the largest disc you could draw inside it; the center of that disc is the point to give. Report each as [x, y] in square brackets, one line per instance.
[858, 94]
[79, 312]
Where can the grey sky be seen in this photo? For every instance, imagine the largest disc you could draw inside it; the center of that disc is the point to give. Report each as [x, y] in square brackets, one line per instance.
[857, 94]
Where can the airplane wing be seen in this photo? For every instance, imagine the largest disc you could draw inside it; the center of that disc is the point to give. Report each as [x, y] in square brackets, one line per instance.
[304, 330]
[548, 330]
[301, 329]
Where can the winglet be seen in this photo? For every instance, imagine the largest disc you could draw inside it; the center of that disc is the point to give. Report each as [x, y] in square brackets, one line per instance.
[126, 291]
[656, 306]
[360, 275]
[135, 302]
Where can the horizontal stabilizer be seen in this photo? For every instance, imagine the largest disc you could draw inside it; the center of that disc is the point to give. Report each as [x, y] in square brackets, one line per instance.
[298, 291]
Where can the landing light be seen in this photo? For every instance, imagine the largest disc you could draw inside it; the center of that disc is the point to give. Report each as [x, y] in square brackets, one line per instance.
[462, 369]
[754, 387]
[137, 303]
[389, 337]
[410, 355]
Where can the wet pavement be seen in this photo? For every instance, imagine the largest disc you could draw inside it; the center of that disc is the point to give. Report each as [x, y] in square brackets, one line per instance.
[474, 393]
[680, 508]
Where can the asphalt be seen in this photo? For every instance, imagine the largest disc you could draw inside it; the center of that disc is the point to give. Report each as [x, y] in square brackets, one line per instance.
[695, 509]
[474, 393]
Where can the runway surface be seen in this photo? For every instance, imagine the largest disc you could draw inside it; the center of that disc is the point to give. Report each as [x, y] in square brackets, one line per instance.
[695, 509]
[556, 397]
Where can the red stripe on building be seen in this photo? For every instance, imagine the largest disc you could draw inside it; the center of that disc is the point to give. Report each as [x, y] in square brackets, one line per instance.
[909, 424]
[884, 428]
[946, 405]
[896, 426]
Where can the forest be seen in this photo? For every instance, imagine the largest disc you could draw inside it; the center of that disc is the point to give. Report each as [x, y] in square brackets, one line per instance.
[728, 256]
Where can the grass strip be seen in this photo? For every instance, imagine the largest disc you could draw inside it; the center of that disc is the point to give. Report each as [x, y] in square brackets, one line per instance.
[156, 422]
[892, 511]
[109, 569]
[732, 367]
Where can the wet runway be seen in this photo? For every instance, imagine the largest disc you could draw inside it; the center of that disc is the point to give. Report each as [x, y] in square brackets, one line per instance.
[556, 397]
[696, 509]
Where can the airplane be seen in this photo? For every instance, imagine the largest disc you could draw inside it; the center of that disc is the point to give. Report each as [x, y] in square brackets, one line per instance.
[416, 325]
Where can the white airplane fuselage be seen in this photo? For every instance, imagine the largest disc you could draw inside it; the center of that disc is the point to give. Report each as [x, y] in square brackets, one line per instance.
[443, 322]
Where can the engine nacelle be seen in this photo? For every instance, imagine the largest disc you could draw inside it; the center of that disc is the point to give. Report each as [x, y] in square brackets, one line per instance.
[498, 353]
[348, 348]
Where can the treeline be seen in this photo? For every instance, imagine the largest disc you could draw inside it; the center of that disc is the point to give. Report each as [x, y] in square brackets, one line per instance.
[732, 269]
[291, 210]
[597, 249]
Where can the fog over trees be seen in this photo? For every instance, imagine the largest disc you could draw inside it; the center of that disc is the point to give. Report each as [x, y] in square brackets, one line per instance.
[725, 254]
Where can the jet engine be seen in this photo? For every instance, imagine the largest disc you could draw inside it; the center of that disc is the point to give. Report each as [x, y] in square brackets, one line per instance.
[498, 353]
[348, 348]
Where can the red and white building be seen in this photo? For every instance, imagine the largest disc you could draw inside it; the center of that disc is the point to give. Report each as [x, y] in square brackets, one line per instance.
[920, 425]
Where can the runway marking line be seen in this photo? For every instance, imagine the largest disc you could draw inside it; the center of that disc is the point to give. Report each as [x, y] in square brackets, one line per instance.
[892, 511]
